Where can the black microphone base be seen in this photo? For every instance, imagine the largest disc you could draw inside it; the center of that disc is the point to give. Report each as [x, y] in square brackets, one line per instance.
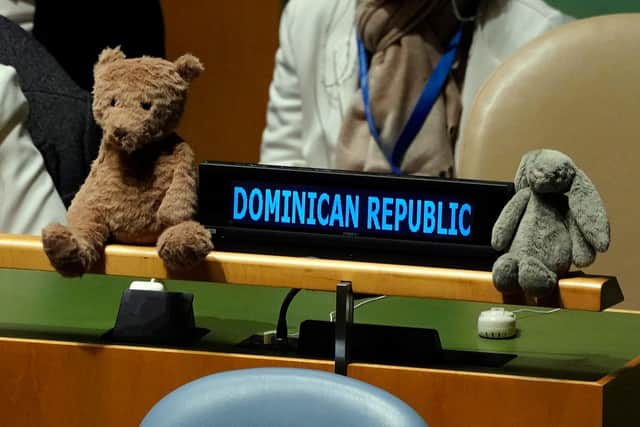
[391, 345]
[379, 344]
[157, 318]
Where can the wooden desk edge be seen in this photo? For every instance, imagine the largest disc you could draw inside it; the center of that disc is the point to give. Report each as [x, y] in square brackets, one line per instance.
[123, 375]
[582, 292]
[134, 351]
[140, 350]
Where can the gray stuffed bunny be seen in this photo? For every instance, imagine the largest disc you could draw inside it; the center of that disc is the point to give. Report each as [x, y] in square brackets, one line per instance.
[555, 218]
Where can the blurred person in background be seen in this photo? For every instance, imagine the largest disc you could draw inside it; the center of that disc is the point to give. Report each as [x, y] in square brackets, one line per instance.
[76, 31]
[333, 52]
[50, 136]
[28, 198]
[19, 11]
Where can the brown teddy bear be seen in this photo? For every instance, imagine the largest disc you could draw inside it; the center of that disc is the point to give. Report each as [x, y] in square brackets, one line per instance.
[142, 186]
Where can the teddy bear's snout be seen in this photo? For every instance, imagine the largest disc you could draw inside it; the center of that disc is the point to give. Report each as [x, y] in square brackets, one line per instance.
[124, 139]
[119, 133]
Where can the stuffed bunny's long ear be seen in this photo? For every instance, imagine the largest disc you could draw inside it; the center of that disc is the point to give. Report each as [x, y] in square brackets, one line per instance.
[589, 212]
[520, 180]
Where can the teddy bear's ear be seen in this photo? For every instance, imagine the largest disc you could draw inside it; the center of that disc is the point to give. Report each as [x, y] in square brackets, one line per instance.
[188, 66]
[110, 55]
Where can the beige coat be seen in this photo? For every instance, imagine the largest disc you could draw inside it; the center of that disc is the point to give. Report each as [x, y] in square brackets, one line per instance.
[316, 71]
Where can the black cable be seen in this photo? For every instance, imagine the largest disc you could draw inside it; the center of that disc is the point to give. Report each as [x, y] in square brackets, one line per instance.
[282, 331]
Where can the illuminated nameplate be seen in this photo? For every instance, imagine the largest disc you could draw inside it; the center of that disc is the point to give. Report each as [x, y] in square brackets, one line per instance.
[312, 212]
[350, 210]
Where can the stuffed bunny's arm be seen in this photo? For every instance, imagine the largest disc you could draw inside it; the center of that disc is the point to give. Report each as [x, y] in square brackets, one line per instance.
[507, 222]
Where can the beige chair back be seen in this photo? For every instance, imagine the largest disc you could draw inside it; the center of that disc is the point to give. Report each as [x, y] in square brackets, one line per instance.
[575, 89]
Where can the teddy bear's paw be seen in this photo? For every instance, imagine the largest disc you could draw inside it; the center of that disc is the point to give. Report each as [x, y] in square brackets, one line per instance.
[505, 274]
[63, 250]
[535, 278]
[184, 245]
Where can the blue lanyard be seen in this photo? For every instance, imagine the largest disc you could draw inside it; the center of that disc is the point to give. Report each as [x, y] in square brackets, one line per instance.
[430, 93]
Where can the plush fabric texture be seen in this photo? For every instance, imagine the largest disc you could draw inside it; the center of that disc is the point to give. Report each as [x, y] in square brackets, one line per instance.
[142, 186]
[556, 218]
[406, 39]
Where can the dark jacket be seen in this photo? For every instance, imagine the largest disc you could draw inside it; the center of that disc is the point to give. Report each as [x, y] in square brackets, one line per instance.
[60, 119]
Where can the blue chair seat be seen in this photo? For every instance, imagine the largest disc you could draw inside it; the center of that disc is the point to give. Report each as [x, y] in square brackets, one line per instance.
[280, 397]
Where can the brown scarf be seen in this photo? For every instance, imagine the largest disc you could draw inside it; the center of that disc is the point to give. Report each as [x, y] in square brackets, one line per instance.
[406, 39]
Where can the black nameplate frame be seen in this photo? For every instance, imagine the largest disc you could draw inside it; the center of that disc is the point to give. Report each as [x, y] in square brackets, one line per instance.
[350, 215]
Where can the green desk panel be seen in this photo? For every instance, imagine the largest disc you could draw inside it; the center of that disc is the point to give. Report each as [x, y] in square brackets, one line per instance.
[565, 344]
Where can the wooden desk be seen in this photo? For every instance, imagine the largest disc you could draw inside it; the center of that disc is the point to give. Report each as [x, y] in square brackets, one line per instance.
[572, 368]
[585, 292]
[52, 383]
